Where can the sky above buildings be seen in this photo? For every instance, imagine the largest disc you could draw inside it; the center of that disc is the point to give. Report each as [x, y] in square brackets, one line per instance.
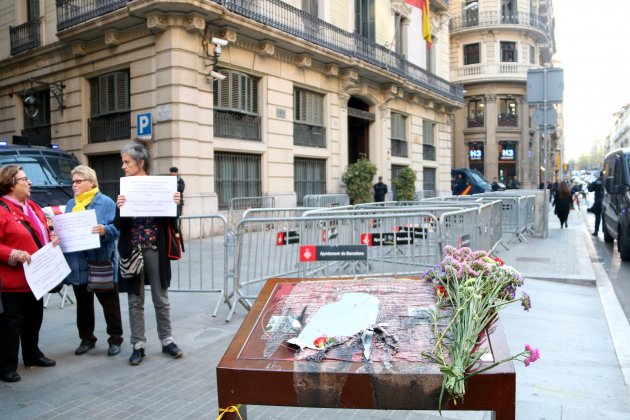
[593, 48]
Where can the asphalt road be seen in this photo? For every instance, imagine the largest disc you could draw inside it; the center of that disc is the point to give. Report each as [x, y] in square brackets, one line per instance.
[618, 271]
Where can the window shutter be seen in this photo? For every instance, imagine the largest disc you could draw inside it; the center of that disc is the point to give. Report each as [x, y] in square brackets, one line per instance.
[94, 106]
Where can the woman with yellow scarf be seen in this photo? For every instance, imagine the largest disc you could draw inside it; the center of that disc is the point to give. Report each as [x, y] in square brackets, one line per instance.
[88, 197]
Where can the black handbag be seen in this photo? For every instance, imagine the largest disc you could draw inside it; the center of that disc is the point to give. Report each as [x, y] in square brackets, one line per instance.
[100, 277]
[132, 266]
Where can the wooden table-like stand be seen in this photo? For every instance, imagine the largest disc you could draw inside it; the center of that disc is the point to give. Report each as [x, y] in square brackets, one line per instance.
[243, 379]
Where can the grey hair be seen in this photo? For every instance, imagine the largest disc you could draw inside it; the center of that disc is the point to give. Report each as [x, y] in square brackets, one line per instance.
[87, 172]
[139, 151]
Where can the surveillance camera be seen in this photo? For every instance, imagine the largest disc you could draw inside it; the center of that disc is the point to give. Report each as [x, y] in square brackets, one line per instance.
[31, 106]
[217, 75]
[219, 42]
[217, 50]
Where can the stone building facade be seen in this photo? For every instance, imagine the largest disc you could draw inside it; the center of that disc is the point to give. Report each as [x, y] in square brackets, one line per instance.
[493, 45]
[248, 98]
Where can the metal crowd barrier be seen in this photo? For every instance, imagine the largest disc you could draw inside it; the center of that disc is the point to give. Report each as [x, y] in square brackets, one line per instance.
[239, 205]
[403, 241]
[203, 266]
[518, 212]
[489, 221]
[325, 200]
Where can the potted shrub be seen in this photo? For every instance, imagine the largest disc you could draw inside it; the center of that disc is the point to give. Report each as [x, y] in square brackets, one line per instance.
[358, 178]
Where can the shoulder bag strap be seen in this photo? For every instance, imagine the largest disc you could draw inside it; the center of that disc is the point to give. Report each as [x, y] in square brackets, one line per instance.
[25, 224]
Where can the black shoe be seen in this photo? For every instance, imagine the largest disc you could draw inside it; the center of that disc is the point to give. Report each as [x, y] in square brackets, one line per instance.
[42, 361]
[595, 234]
[11, 377]
[174, 351]
[84, 347]
[136, 357]
[114, 349]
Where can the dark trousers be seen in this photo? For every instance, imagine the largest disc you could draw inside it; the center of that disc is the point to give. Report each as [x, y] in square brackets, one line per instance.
[85, 313]
[20, 322]
[598, 219]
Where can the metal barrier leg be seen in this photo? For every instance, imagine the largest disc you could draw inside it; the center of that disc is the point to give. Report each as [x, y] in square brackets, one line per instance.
[65, 296]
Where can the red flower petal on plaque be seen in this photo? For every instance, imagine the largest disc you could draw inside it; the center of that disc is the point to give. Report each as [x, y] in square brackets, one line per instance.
[320, 342]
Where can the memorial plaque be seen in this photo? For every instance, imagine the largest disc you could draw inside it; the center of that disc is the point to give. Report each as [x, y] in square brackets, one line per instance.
[392, 374]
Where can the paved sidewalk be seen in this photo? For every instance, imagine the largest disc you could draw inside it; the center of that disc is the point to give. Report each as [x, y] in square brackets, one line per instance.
[579, 376]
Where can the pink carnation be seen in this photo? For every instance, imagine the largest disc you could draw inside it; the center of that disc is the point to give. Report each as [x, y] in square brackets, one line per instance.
[534, 354]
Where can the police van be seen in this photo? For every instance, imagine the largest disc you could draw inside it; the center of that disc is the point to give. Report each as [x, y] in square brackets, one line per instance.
[48, 169]
[475, 179]
[616, 203]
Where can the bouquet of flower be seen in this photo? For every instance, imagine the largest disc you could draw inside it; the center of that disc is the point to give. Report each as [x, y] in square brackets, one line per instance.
[470, 287]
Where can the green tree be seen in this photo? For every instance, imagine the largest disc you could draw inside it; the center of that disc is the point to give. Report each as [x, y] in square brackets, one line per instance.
[358, 178]
[405, 184]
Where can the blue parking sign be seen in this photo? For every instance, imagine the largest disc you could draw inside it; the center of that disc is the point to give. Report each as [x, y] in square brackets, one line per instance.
[143, 125]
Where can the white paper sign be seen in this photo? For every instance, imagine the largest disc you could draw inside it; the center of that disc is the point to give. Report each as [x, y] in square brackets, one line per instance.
[74, 230]
[148, 196]
[47, 269]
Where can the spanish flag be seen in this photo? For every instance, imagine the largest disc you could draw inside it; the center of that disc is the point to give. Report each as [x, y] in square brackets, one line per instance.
[426, 18]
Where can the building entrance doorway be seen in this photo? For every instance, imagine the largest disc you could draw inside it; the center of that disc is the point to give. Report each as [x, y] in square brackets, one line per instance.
[359, 120]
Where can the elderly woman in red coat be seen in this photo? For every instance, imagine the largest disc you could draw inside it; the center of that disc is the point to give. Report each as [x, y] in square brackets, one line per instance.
[23, 230]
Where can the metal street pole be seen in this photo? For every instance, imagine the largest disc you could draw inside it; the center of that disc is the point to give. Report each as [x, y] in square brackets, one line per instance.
[546, 156]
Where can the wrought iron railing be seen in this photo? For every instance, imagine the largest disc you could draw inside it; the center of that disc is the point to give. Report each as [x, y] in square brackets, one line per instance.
[496, 18]
[508, 120]
[399, 148]
[235, 125]
[109, 127]
[74, 12]
[476, 122]
[309, 135]
[25, 37]
[428, 151]
[282, 16]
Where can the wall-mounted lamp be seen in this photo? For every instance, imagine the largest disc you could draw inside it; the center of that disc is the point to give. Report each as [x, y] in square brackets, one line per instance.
[31, 103]
[472, 6]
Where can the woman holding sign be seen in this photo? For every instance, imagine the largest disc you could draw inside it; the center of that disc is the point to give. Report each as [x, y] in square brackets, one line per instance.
[94, 271]
[146, 242]
[23, 231]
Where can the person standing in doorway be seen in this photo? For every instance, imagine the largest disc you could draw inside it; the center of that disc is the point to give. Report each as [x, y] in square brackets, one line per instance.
[514, 184]
[380, 189]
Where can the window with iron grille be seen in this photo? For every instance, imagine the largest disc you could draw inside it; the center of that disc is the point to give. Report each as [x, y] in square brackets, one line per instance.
[110, 117]
[308, 127]
[309, 177]
[108, 170]
[508, 52]
[471, 54]
[236, 175]
[428, 182]
[428, 140]
[399, 135]
[236, 106]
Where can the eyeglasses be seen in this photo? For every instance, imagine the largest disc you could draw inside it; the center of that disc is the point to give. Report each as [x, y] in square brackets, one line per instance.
[24, 178]
[78, 181]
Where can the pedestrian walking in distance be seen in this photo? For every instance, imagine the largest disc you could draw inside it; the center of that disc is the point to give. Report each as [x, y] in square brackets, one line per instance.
[597, 187]
[562, 203]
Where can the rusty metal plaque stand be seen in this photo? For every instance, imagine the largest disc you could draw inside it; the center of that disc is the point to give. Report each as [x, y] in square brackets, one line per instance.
[253, 372]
